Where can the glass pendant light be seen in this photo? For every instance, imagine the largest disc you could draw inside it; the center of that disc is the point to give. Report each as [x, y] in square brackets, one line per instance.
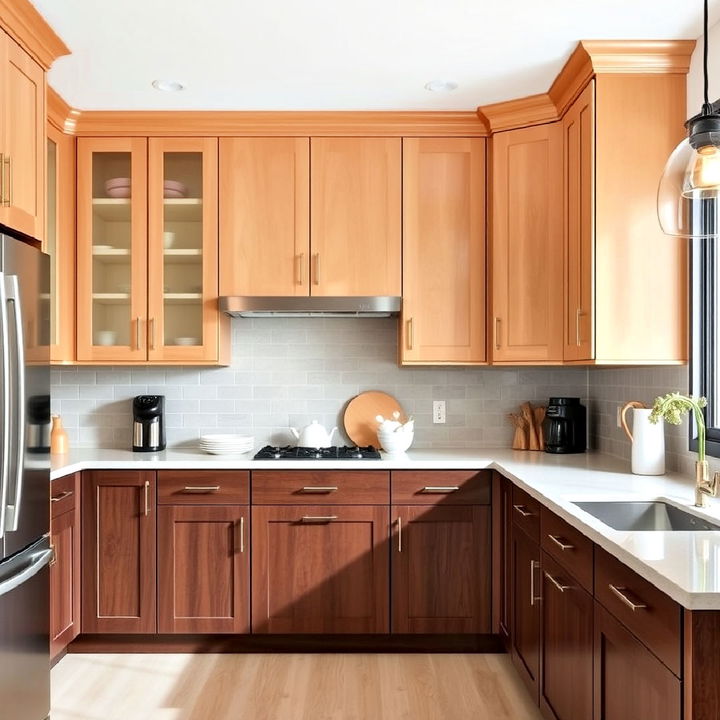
[690, 185]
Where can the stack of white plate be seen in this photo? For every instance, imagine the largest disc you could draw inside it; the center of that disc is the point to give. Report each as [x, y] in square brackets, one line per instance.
[226, 444]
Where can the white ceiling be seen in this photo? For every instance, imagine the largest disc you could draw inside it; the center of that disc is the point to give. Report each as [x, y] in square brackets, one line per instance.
[335, 54]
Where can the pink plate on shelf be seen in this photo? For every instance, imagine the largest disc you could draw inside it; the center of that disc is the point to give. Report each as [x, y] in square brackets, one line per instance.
[174, 189]
[119, 192]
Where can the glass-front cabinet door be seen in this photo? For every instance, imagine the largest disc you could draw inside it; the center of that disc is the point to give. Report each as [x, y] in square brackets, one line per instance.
[183, 250]
[112, 250]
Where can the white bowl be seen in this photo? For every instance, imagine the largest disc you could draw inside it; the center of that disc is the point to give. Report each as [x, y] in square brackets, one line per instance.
[186, 341]
[168, 239]
[105, 337]
[395, 443]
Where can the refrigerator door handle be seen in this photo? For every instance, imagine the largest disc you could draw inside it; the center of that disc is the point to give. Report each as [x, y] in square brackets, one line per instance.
[12, 290]
[38, 561]
[4, 405]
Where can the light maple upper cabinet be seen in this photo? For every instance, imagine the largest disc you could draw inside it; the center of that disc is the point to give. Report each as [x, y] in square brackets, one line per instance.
[616, 255]
[22, 140]
[60, 243]
[578, 126]
[443, 320]
[147, 252]
[526, 246]
[264, 216]
[355, 216]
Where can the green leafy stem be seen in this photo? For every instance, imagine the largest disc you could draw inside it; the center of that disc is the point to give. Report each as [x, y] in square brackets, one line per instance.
[673, 406]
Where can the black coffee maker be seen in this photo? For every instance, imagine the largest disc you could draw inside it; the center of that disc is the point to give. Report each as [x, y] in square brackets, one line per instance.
[565, 426]
[148, 423]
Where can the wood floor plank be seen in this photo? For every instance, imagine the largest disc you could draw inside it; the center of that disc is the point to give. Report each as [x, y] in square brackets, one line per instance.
[288, 687]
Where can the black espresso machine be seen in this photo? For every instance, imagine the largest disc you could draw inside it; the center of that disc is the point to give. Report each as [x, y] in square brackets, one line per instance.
[148, 423]
[565, 426]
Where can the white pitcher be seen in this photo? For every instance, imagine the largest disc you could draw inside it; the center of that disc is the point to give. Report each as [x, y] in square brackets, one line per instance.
[648, 440]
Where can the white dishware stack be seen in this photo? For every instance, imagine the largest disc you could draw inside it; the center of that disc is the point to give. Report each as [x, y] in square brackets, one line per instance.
[226, 444]
[395, 437]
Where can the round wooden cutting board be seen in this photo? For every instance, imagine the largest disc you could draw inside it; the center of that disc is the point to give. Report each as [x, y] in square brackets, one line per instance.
[359, 419]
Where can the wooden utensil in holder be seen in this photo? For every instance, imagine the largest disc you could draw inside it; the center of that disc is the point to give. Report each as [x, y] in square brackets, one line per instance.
[528, 423]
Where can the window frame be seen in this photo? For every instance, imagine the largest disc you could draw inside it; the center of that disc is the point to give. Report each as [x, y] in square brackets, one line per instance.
[705, 346]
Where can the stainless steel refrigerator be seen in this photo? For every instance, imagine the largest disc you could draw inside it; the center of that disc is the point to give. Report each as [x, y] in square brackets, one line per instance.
[25, 551]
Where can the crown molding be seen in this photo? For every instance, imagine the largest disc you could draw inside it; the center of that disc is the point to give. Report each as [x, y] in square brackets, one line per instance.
[30, 30]
[590, 58]
[59, 113]
[174, 123]
[531, 110]
[596, 57]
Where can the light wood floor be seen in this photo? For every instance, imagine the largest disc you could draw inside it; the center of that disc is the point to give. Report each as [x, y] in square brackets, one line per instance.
[288, 687]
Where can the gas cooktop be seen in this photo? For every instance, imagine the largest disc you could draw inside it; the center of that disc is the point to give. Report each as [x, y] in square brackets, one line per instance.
[329, 453]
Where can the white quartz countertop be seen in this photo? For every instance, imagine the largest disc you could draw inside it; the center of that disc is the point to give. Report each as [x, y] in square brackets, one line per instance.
[685, 565]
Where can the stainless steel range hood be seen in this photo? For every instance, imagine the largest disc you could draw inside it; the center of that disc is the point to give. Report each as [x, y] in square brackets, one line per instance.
[305, 306]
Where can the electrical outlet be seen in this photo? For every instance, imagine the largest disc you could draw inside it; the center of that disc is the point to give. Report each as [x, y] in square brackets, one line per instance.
[438, 411]
[619, 416]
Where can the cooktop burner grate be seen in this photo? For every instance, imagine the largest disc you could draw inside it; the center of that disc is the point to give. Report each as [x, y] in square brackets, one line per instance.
[329, 453]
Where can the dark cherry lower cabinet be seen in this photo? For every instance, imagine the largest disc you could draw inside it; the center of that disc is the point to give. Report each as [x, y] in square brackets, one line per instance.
[525, 604]
[203, 569]
[566, 677]
[65, 568]
[630, 682]
[118, 552]
[320, 569]
[441, 569]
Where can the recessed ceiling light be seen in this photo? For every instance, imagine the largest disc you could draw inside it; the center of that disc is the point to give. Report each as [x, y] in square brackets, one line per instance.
[168, 85]
[441, 86]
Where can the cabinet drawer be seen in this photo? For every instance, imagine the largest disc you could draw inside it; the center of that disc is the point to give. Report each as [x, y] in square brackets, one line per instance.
[568, 546]
[320, 487]
[203, 487]
[526, 513]
[432, 487]
[647, 612]
[63, 495]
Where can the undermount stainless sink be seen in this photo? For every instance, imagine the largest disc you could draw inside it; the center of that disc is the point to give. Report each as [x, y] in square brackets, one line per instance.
[638, 516]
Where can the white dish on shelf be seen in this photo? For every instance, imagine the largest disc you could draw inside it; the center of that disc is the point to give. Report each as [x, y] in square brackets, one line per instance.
[102, 248]
[121, 192]
[168, 239]
[186, 341]
[173, 194]
[105, 337]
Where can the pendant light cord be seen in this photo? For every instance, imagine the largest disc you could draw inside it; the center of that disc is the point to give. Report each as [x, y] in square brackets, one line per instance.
[705, 51]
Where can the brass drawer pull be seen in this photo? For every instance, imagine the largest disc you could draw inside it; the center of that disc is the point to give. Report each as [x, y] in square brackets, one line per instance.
[242, 534]
[562, 588]
[522, 510]
[620, 593]
[147, 499]
[559, 542]
[62, 496]
[534, 565]
[440, 489]
[399, 524]
[201, 488]
[318, 518]
[318, 489]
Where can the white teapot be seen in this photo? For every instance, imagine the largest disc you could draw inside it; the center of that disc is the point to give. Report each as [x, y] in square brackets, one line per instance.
[313, 435]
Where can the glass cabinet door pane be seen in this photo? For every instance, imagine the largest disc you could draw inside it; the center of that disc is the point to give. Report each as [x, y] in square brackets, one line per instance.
[112, 322]
[182, 249]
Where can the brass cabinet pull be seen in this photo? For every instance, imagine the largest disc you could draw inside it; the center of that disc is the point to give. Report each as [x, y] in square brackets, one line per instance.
[399, 524]
[2, 178]
[53, 557]
[151, 333]
[7, 181]
[137, 333]
[559, 542]
[578, 313]
[318, 518]
[11, 184]
[242, 533]
[620, 592]
[497, 333]
[316, 269]
[62, 496]
[562, 588]
[522, 510]
[299, 268]
[410, 334]
[319, 489]
[534, 565]
[201, 488]
[440, 489]
[147, 500]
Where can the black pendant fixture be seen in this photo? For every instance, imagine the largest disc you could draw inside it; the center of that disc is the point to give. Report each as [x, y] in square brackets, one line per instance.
[692, 173]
